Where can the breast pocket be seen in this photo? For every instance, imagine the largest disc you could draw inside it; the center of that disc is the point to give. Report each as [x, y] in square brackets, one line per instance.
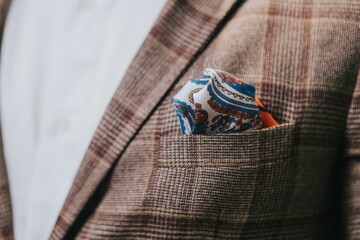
[232, 182]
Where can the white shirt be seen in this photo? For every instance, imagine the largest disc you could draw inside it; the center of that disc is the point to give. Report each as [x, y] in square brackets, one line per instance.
[61, 62]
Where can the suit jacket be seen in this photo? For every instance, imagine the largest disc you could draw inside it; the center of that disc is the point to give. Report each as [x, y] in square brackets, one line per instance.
[142, 179]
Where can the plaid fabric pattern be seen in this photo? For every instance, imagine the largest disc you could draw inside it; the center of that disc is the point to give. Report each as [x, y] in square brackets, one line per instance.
[142, 179]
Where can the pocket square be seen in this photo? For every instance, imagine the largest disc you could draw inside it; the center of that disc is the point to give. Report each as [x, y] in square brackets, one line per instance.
[215, 101]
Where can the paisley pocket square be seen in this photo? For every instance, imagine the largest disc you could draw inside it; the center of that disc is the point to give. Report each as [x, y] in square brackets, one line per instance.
[218, 102]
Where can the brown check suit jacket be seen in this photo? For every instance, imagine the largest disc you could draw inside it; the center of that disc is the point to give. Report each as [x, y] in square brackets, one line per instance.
[142, 179]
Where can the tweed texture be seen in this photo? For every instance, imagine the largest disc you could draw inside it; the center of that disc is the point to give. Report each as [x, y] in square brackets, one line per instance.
[303, 58]
[142, 179]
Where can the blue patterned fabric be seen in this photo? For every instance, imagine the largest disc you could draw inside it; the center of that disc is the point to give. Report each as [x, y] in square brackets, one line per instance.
[216, 102]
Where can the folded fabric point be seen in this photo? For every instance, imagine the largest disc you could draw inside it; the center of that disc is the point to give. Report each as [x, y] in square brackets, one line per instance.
[219, 102]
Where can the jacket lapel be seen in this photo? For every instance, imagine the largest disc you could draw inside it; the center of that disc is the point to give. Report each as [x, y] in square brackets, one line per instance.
[6, 227]
[181, 32]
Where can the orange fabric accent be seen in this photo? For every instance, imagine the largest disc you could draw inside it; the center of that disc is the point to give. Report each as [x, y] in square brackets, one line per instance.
[266, 118]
